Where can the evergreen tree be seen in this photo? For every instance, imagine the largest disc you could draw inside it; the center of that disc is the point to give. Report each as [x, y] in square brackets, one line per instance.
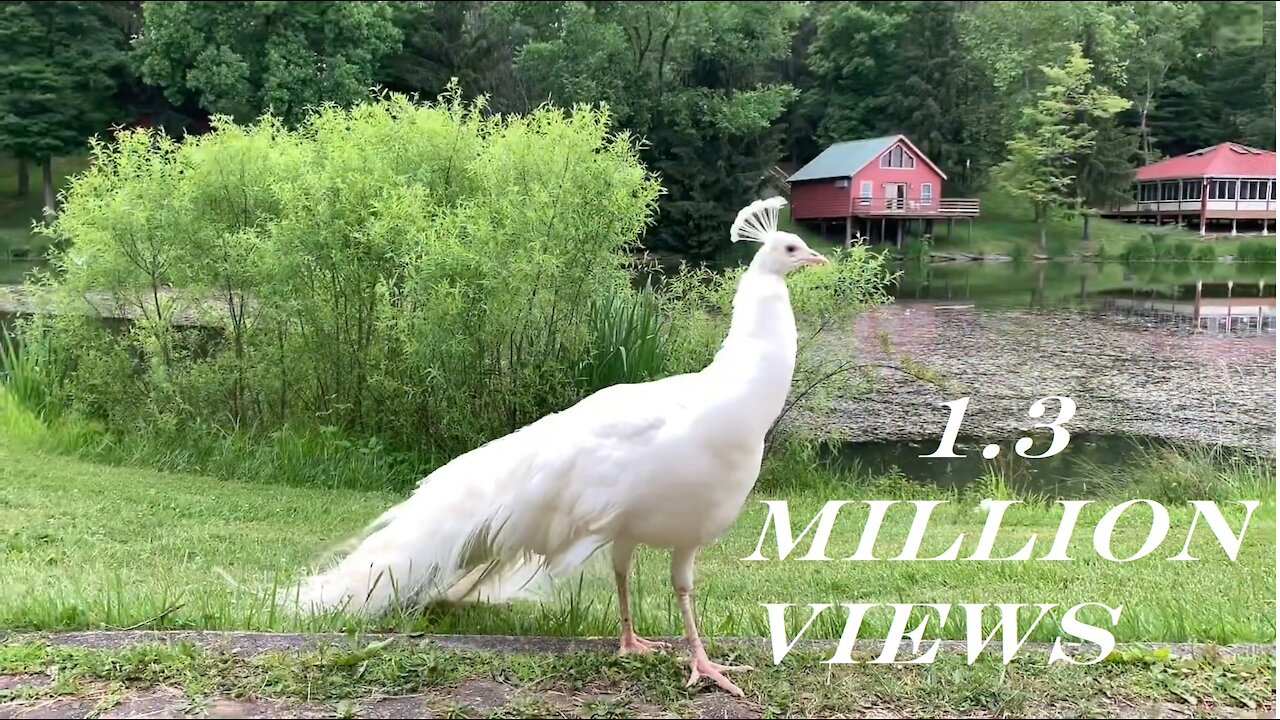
[57, 78]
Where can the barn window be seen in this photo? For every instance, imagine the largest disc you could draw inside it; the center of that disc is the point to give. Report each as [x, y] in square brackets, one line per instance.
[926, 192]
[1147, 192]
[1273, 189]
[1168, 191]
[897, 158]
[1190, 189]
[842, 182]
[864, 192]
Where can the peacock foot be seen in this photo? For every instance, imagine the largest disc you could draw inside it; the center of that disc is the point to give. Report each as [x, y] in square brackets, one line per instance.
[633, 644]
[700, 667]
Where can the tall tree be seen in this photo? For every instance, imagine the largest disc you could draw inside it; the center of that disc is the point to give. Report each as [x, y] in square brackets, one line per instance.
[853, 48]
[1104, 174]
[1222, 87]
[698, 82]
[57, 65]
[245, 58]
[467, 40]
[1161, 28]
[1054, 133]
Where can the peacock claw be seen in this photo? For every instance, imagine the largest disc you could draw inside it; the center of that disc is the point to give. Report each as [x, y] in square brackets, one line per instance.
[633, 644]
[700, 667]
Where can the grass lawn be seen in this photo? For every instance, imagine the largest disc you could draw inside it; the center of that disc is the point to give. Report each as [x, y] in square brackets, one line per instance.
[94, 546]
[17, 213]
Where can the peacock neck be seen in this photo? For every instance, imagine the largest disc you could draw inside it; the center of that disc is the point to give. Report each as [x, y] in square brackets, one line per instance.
[756, 361]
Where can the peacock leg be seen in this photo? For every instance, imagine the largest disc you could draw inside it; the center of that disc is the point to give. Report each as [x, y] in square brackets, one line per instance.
[699, 664]
[630, 642]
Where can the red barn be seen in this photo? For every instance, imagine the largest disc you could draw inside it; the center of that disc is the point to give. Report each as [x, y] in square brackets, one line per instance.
[885, 182]
[1226, 182]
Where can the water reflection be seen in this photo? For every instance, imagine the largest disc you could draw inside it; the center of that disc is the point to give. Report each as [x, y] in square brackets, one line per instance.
[1234, 299]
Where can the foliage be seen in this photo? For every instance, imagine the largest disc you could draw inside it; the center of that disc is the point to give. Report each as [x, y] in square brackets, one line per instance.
[695, 80]
[1055, 131]
[883, 68]
[57, 66]
[1204, 252]
[243, 59]
[1256, 251]
[1140, 250]
[422, 278]
[377, 271]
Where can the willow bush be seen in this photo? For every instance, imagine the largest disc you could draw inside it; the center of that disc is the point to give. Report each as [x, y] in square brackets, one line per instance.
[393, 278]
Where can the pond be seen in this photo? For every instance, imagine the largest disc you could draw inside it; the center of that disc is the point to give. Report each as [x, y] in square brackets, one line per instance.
[1150, 353]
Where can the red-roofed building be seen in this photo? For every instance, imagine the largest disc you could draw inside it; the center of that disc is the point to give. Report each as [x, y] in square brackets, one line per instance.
[1225, 183]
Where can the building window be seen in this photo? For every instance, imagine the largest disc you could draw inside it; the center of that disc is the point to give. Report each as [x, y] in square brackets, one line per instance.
[864, 192]
[897, 158]
[1255, 189]
[926, 192]
[1190, 189]
[1273, 189]
[1222, 190]
[1168, 191]
[1147, 192]
[842, 183]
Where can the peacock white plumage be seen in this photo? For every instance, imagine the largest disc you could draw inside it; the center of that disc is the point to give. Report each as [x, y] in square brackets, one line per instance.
[666, 464]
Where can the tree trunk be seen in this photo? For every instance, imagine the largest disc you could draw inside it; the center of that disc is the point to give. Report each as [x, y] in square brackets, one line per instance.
[50, 200]
[1040, 223]
[1084, 235]
[24, 178]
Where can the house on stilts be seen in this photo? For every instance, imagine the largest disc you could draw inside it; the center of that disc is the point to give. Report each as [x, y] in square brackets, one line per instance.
[1228, 185]
[874, 188]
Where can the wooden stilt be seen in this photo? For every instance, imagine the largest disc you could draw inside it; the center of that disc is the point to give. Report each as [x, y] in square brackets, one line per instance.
[848, 231]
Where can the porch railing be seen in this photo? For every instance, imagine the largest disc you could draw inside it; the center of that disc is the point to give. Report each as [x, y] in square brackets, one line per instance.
[956, 207]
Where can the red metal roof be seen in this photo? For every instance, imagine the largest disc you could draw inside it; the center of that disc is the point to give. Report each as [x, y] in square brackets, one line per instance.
[1224, 160]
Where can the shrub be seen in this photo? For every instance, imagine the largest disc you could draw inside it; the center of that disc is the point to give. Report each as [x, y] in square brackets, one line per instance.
[417, 279]
[1256, 251]
[1204, 252]
[1181, 250]
[1141, 250]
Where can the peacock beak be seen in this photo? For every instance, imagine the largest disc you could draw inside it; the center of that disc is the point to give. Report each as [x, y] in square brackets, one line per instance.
[814, 259]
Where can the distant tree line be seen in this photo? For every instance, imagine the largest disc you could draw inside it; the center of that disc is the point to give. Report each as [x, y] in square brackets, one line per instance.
[1054, 102]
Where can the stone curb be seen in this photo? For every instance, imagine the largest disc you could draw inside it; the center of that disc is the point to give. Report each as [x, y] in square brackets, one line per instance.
[249, 644]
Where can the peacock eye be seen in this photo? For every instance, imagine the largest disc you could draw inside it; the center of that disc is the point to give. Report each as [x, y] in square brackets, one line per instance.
[791, 248]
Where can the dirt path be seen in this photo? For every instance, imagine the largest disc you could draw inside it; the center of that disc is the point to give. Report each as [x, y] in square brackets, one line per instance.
[260, 675]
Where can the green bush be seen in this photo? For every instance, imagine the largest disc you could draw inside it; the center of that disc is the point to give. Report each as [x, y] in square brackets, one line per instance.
[417, 279]
[1181, 251]
[1256, 251]
[1140, 250]
[1204, 252]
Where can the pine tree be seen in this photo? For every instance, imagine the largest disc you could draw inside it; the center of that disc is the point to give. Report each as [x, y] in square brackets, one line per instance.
[57, 77]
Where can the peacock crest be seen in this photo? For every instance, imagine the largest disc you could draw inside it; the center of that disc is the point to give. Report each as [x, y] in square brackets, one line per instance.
[757, 221]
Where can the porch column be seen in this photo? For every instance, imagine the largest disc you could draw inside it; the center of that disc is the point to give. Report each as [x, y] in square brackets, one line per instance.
[1202, 224]
[1233, 226]
[848, 231]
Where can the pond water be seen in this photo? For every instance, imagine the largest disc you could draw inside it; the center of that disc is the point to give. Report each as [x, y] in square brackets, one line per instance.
[1151, 353]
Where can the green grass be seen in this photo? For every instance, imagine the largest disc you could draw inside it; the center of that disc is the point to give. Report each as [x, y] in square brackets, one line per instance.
[89, 545]
[18, 213]
[336, 678]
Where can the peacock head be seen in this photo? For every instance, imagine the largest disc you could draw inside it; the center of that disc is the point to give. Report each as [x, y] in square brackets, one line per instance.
[780, 252]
